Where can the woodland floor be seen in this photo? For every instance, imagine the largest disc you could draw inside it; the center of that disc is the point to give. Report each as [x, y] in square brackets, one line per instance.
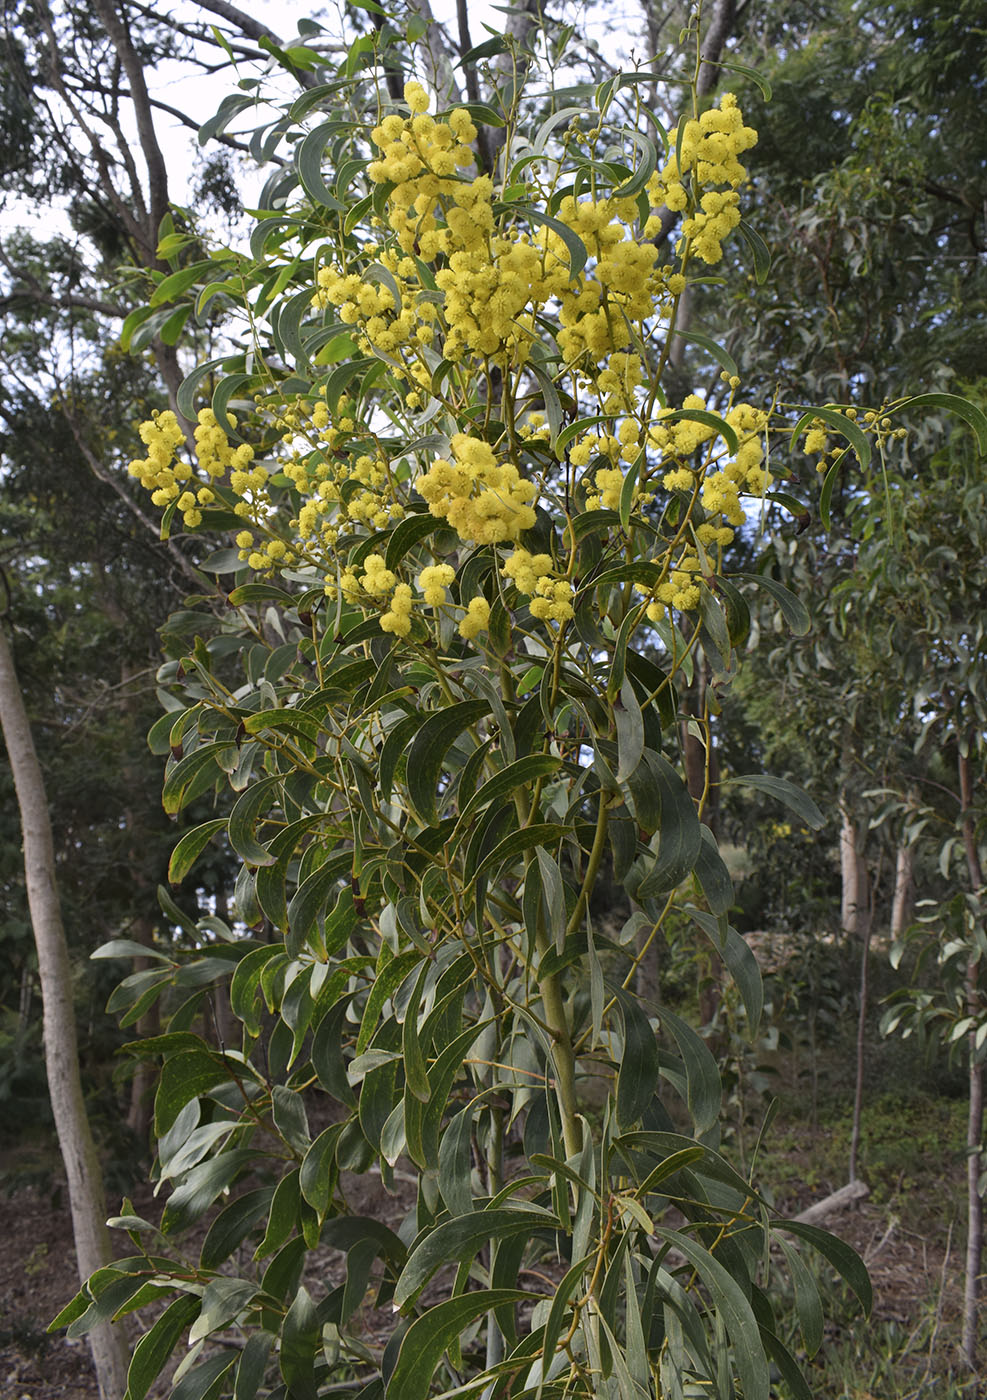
[910, 1231]
[903, 1232]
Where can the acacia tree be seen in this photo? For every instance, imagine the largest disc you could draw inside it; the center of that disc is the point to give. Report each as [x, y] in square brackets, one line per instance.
[475, 554]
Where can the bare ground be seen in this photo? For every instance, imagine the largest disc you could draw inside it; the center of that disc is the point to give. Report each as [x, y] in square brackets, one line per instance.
[913, 1267]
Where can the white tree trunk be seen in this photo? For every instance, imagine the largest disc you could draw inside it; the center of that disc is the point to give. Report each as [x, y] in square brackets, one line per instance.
[85, 1184]
[975, 1106]
[852, 872]
[902, 903]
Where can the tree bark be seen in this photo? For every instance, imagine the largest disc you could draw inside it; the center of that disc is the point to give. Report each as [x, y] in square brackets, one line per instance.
[975, 1107]
[854, 900]
[85, 1184]
[904, 891]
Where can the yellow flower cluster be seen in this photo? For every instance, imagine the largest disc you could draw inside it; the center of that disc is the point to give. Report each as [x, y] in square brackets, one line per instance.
[452, 274]
[708, 154]
[535, 576]
[434, 581]
[721, 490]
[169, 479]
[491, 283]
[680, 589]
[477, 618]
[419, 155]
[485, 501]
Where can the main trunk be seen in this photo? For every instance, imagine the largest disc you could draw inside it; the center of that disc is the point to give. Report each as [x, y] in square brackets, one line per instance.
[86, 1200]
[975, 1107]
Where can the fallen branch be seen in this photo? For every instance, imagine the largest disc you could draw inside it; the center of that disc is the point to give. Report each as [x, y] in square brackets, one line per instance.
[845, 1196]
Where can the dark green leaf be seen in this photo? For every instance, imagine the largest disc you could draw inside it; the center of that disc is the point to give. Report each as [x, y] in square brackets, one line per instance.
[459, 1239]
[702, 1074]
[252, 1367]
[157, 1345]
[807, 1302]
[301, 1338]
[846, 1261]
[780, 788]
[794, 611]
[949, 403]
[759, 250]
[184, 1076]
[637, 1075]
[729, 1301]
[544, 834]
[434, 1333]
[190, 847]
[428, 750]
[679, 839]
[192, 775]
[522, 773]
[232, 1226]
[223, 1300]
[713, 875]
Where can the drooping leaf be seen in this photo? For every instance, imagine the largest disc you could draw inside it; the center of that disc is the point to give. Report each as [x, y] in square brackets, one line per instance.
[432, 1334]
[460, 1238]
[158, 1344]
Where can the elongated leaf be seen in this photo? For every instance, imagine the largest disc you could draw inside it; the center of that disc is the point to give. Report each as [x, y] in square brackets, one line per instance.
[679, 839]
[203, 1381]
[128, 948]
[793, 797]
[637, 1076]
[393, 749]
[794, 611]
[389, 977]
[301, 1338]
[432, 1334]
[244, 816]
[192, 775]
[157, 1345]
[740, 961]
[547, 834]
[710, 420]
[574, 245]
[308, 159]
[759, 250]
[317, 1176]
[787, 1365]
[429, 748]
[178, 282]
[702, 1074]
[310, 900]
[949, 403]
[414, 1060]
[630, 731]
[846, 1261]
[223, 1299]
[828, 487]
[232, 1226]
[459, 1239]
[184, 1077]
[807, 1302]
[729, 1301]
[521, 773]
[202, 1186]
[840, 423]
[252, 1367]
[190, 847]
[713, 875]
[713, 350]
[455, 1163]
[406, 534]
